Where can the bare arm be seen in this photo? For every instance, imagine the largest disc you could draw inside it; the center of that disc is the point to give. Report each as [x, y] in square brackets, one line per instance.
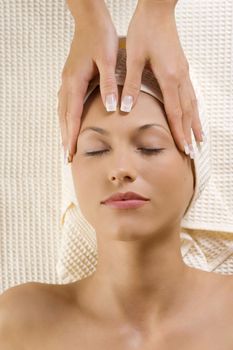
[84, 10]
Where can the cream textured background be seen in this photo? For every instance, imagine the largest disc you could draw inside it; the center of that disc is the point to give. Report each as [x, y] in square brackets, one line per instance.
[34, 43]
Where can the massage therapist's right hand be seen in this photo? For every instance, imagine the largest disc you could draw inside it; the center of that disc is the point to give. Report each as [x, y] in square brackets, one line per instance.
[93, 51]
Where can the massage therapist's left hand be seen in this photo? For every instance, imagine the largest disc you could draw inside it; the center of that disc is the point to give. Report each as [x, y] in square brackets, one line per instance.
[152, 40]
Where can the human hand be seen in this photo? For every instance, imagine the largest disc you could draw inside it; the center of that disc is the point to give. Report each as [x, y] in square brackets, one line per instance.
[93, 51]
[153, 26]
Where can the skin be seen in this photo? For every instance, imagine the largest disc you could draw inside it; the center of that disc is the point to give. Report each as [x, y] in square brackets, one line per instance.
[94, 51]
[151, 233]
[142, 295]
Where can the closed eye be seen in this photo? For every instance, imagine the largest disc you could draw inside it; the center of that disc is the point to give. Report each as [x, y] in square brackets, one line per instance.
[147, 151]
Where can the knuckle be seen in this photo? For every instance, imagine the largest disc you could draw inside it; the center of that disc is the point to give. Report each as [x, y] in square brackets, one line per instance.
[68, 79]
[108, 82]
[176, 75]
[172, 76]
[109, 60]
[132, 87]
[175, 114]
[187, 111]
[72, 85]
[75, 90]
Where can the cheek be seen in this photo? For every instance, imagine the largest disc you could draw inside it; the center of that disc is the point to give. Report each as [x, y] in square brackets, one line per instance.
[164, 171]
[171, 178]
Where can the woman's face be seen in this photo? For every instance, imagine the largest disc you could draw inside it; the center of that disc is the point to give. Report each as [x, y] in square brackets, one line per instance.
[164, 176]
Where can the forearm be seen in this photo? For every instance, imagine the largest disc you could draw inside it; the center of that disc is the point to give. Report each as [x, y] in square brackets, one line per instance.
[83, 10]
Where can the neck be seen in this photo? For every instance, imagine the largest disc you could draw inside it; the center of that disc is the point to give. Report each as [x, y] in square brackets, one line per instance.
[135, 280]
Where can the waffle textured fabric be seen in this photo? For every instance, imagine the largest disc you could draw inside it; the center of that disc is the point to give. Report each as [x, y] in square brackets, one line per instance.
[34, 44]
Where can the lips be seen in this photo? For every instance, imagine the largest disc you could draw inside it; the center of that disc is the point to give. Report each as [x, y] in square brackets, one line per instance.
[127, 196]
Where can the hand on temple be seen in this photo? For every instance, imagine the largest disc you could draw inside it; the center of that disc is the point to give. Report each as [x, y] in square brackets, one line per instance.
[93, 51]
[152, 39]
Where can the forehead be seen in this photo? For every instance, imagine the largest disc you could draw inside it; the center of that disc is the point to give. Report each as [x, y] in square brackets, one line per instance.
[146, 110]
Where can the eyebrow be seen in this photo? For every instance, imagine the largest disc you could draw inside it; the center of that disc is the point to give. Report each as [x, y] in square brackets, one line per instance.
[140, 128]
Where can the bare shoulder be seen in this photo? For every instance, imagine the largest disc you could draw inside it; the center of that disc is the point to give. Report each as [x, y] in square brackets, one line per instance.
[14, 306]
[33, 299]
[225, 293]
[216, 291]
[26, 307]
[229, 289]
[226, 284]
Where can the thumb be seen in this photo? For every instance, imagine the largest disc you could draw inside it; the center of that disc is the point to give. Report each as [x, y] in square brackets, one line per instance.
[132, 84]
[108, 85]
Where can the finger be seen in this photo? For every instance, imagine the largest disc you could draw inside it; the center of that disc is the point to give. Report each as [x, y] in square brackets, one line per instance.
[76, 95]
[108, 85]
[132, 84]
[187, 113]
[61, 111]
[174, 113]
[196, 122]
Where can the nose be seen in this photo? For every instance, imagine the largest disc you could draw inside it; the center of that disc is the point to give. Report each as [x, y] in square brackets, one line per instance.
[122, 174]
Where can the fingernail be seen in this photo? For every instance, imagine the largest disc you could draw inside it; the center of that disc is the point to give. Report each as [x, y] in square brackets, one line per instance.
[67, 157]
[186, 148]
[192, 153]
[110, 103]
[70, 158]
[126, 103]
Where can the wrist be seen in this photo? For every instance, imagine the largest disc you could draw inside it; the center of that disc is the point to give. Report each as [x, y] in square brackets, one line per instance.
[84, 10]
[163, 11]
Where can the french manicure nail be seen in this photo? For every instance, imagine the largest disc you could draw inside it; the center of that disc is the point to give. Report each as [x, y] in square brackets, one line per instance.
[110, 103]
[67, 157]
[192, 153]
[186, 148]
[70, 158]
[126, 103]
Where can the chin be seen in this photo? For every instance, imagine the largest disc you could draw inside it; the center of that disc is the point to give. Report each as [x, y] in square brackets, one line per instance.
[126, 230]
